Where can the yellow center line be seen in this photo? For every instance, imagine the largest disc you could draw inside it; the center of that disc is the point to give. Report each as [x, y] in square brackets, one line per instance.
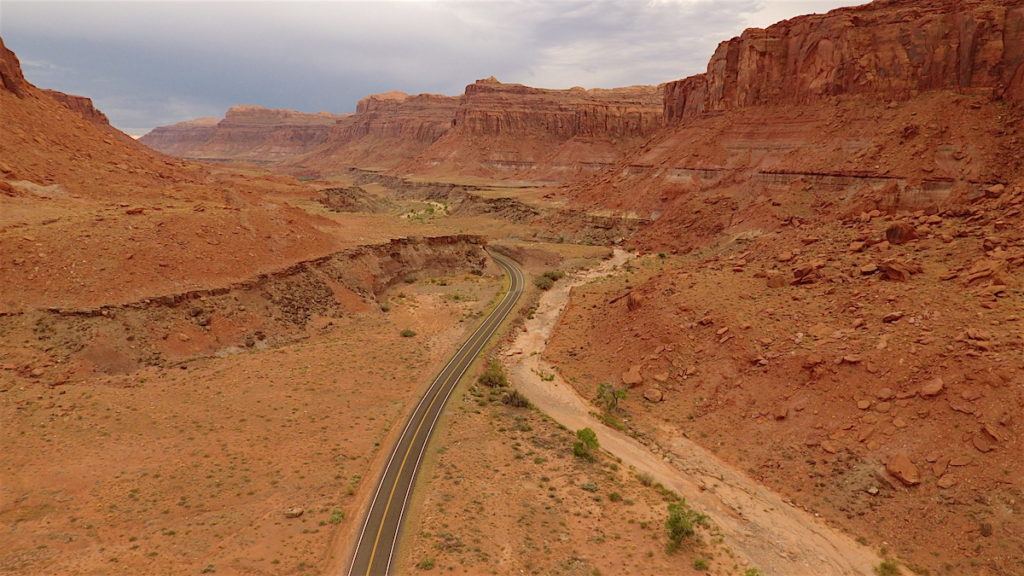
[464, 352]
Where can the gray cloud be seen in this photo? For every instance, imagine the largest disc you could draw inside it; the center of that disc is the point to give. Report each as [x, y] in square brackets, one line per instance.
[152, 63]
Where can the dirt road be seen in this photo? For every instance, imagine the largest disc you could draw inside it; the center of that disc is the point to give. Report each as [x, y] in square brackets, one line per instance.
[758, 525]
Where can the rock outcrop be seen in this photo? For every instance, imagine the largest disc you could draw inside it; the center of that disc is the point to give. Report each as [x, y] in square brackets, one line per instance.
[492, 108]
[79, 105]
[11, 78]
[890, 49]
[511, 130]
[386, 129]
[248, 133]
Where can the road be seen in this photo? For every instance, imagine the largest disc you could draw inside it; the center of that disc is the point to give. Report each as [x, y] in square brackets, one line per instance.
[379, 537]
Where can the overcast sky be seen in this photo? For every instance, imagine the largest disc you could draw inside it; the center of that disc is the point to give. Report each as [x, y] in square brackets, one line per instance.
[152, 63]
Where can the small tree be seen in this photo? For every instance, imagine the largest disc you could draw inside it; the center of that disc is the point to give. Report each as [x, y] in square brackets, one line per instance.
[608, 396]
[585, 444]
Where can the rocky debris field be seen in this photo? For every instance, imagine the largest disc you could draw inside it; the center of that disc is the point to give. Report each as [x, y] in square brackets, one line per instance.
[870, 368]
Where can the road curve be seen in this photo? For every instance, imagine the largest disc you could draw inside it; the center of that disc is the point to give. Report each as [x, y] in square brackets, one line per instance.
[378, 538]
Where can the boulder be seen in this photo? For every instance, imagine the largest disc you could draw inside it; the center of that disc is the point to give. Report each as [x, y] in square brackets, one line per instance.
[653, 395]
[633, 377]
[901, 467]
[900, 233]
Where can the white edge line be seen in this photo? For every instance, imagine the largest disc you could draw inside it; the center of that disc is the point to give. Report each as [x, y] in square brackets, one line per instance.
[430, 430]
[394, 451]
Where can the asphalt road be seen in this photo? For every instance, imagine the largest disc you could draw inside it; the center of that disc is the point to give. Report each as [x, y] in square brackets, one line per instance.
[379, 536]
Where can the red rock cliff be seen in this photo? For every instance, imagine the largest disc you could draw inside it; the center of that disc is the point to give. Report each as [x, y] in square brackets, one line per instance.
[423, 117]
[894, 49]
[250, 133]
[492, 108]
[386, 129]
[11, 78]
[79, 105]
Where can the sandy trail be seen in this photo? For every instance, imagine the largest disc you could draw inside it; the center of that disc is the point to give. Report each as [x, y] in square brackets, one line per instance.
[758, 525]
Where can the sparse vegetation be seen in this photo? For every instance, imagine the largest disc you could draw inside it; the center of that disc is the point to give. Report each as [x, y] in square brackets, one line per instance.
[493, 376]
[585, 444]
[888, 567]
[752, 572]
[516, 400]
[546, 280]
[407, 333]
[681, 524]
[336, 517]
[425, 564]
[700, 564]
[608, 396]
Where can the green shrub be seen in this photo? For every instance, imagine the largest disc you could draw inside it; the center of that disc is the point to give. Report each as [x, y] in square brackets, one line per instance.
[681, 524]
[425, 564]
[407, 333]
[608, 396]
[615, 497]
[700, 564]
[336, 517]
[554, 275]
[543, 282]
[888, 567]
[493, 376]
[752, 572]
[585, 444]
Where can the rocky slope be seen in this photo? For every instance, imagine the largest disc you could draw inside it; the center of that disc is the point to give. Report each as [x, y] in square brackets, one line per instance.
[248, 133]
[903, 100]
[837, 205]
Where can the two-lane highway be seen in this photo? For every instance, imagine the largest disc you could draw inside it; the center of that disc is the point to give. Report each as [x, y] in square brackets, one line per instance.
[379, 536]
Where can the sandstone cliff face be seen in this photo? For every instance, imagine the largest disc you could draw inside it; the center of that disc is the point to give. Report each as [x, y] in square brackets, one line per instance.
[890, 49]
[896, 103]
[182, 139]
[386, 129]
[491, 108]
[514, 131]
[250, 133]
[79, 105]
[423, 117]
[11, 78]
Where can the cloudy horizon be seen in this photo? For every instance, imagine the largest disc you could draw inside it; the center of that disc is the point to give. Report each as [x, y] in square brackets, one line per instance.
[147, 64]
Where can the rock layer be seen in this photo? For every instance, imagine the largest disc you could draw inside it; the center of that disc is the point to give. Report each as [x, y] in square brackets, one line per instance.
[514, 130]
[890, 49]
[250, 133]
[385, 130]
[889, 105]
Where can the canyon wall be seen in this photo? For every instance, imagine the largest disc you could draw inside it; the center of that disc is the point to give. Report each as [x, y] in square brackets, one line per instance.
[510, 130]
[890, 49]
[900, 103]
[385, 130]
[491, 108]
[248, 133]
[492, 130]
